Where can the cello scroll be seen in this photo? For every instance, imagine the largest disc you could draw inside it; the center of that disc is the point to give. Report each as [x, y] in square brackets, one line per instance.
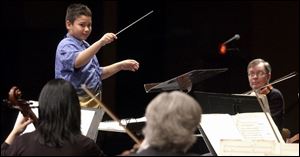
[15, 101]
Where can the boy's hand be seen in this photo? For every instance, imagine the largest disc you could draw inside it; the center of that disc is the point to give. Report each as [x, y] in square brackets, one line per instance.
[129, 64]
[108, 38]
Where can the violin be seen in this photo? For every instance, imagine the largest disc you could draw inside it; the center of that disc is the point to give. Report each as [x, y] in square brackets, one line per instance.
[266, 90]
[15, 101]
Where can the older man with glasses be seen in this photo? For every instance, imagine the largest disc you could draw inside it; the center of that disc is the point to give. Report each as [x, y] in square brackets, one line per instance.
[259, 75]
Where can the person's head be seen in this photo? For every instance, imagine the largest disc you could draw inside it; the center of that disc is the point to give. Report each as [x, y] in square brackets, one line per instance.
[259, 73]
[172, 119]
[59, 113]
[79, 21]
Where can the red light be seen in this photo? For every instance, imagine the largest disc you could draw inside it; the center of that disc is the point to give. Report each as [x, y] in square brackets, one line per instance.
[223, 49]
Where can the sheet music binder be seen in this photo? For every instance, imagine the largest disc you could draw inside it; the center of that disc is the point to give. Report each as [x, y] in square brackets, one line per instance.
[183, 82]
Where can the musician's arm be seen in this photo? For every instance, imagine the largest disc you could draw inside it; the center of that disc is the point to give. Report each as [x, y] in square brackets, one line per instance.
[18, 129]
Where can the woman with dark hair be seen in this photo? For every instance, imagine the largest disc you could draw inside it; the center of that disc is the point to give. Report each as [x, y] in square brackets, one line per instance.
[58, 131]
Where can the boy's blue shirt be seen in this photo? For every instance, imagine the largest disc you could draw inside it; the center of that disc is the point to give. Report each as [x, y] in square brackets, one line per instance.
[89, 74]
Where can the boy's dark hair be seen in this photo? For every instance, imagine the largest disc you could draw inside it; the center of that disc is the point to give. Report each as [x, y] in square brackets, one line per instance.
[75, 10]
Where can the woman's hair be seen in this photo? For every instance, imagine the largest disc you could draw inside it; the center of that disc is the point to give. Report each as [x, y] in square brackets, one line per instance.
[59, 113]
[172, 119]
[75, 10]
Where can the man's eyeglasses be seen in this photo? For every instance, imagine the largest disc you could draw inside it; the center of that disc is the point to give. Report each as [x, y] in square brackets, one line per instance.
[258, 74]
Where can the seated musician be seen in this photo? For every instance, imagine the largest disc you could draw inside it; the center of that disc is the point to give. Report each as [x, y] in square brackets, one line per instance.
[172, 119]
[58, 131]
[259, 75]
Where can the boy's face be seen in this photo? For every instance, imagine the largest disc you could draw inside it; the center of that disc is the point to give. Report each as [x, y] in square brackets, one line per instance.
[81, 28]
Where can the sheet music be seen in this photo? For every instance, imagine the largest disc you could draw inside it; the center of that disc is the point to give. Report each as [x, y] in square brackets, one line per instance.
[289, 149]
[254, 126]
[243, 127]
[86, 120]
[219, 126]
[258, 148]
[114, 126]
[248, 148]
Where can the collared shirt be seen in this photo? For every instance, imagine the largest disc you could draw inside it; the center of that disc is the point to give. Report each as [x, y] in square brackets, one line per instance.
[89, 74]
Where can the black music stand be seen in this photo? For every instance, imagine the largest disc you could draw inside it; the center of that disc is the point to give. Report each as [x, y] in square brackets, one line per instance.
[183, 82]
[226, 103]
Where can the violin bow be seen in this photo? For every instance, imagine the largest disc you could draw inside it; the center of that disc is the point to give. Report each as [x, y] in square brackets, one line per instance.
[288, 76]
[110, 113]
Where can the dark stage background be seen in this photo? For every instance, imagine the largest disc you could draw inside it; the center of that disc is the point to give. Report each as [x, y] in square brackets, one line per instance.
[178, 37]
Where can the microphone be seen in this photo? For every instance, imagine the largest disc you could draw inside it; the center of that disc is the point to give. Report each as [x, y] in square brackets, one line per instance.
[235, 37]
[223, 47]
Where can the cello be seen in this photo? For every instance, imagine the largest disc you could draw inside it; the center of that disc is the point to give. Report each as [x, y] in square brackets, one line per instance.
[15, 101]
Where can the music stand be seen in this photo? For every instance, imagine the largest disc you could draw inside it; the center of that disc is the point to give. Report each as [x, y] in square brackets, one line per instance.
[183, 82]
[218, 105]
[226, 103]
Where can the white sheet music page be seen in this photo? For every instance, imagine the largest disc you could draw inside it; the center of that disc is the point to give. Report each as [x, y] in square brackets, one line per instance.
[289, 149]
[113, 126]
[248, 148]
[217, 127]
[255, 126]
[258, 148]
[86, 120]
[241, 127]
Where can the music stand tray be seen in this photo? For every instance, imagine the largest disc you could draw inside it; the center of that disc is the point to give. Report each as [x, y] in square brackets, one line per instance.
[183, 82]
